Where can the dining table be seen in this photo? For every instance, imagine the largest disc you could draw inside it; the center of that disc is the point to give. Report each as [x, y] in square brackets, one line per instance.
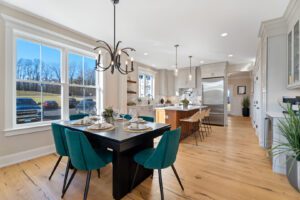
[124, 144]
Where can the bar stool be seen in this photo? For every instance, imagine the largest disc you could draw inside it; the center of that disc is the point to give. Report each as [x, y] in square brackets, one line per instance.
[194, 119]
[207, 120]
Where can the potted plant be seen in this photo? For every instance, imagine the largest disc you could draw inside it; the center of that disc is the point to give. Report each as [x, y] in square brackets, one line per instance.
[107, 114]
[246, 105]
[290, 130]
[185, 103]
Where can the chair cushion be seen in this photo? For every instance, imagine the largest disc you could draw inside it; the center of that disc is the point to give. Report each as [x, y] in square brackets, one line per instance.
[143, 156]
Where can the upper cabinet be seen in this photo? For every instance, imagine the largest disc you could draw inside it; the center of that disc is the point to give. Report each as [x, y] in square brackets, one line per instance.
[213, 70]
[293, 57]
[182, 80]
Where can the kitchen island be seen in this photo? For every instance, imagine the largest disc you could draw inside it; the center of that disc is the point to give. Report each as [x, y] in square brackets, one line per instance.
[173, 114]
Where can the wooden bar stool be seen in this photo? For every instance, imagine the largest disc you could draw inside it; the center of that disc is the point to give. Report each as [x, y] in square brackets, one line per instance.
[193, 125]
[207, 120]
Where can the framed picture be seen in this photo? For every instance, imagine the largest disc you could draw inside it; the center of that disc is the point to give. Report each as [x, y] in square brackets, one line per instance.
[241, 90]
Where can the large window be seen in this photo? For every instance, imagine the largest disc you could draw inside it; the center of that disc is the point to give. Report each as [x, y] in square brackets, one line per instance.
[38, 82]
[146, 85]
[82, 90]
[42, 81]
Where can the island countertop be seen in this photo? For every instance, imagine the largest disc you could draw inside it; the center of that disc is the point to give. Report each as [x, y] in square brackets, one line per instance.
[180, 108]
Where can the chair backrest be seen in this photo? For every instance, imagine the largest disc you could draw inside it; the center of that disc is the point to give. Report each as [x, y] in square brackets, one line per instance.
[78, 116]
[207, 112]
[126, 116]
[195, 117]
[82, 154]
[58, 133]
[147, 118]
[166, 151]
[202, 115]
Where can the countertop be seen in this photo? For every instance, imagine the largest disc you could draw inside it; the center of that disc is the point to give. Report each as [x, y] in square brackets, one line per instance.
[180, 108]
[275, 114]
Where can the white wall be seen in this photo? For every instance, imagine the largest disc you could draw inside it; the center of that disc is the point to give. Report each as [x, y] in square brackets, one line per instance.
[236, 100]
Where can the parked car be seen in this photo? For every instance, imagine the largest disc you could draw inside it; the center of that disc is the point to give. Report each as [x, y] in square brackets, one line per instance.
[72, 103]
[50, 105]
[86, 106]
[27, 111]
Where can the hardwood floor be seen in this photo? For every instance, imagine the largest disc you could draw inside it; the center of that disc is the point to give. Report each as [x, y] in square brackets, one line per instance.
[229, 164]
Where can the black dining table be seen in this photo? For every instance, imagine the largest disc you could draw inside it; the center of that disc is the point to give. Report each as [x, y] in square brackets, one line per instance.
[124, 145]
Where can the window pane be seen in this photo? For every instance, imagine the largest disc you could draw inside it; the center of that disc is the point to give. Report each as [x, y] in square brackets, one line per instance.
[28, 60]
[89, 71]
[75, 69]
[296, 52]
[51, 64]
[51, 96]
[76, 95]
[148, 86]
[90, 101]
[141, 85]
[28, 102]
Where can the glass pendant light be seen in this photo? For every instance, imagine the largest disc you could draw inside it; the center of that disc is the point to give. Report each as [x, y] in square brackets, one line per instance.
[176, 69]
[190, 75]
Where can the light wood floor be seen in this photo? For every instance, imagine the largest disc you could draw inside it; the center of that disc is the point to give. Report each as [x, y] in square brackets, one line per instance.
[229, 164]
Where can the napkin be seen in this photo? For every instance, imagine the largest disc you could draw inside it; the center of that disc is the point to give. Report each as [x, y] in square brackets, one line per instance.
[100, 126]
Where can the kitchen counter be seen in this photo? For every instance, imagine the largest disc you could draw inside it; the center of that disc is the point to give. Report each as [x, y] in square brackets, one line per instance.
[174, 114]
[180, 108]
[275, 114]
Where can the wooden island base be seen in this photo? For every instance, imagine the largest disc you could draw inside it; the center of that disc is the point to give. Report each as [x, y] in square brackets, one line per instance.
[173, 116]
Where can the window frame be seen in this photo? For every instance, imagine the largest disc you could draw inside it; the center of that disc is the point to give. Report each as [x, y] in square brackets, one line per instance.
[149, 73]
[15, 28]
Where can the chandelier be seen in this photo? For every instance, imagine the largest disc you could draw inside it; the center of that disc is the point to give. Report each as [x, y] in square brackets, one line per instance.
[115, 53]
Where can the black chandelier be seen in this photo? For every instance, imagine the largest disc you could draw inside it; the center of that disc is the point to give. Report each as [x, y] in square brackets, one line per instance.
[115, 53]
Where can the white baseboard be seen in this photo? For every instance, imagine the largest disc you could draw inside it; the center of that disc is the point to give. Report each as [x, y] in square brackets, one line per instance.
[26, 155]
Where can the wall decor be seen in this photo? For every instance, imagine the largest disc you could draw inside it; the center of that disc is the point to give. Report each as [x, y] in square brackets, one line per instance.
[241, 90]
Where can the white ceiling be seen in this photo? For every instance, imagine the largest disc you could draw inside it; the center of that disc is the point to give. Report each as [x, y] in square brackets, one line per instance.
[154, 26]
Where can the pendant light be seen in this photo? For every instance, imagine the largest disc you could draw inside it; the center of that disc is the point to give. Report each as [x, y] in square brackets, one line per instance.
[176, 69]
[115, 53]
[190, 75]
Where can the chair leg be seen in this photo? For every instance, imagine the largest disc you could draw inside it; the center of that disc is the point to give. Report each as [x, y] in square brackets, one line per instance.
[134, 177]
[98, 171]
[87, 185]
[56, 164]
[209, 124]
[195, 138]
[66, 174]
[69, 182]
[201, 139]
[161, 185]
[175, 172]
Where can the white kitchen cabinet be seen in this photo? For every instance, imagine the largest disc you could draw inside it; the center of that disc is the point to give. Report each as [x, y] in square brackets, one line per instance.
[213, 70]
[182, 80]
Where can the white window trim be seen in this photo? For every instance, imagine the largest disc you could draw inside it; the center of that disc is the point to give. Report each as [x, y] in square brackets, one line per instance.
[150, 72]
[15, 28]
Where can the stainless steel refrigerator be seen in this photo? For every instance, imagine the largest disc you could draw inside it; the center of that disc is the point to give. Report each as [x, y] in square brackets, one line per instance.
[213, 97]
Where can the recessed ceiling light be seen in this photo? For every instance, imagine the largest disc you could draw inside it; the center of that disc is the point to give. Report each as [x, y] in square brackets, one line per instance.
[146, 54]
[230, 55]
[224, 34]
[202, 61]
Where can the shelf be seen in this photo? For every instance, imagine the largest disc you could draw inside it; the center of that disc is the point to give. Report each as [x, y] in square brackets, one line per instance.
[130, 81]
[131, 92]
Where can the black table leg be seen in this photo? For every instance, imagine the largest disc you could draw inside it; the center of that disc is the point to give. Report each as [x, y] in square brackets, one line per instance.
[124, 170]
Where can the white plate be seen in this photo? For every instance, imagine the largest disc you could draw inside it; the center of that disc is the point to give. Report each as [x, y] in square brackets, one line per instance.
[137, 129]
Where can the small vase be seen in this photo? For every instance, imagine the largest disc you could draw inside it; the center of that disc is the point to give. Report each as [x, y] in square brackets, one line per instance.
[109, 120]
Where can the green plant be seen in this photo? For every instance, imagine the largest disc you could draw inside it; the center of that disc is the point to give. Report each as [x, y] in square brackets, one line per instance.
[185, 102]
[107, 113]
[290, 130]
[246, 102]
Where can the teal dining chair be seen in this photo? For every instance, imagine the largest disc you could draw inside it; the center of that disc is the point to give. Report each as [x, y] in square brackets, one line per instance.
[147, 118]
[84, 157]
[58, 132]
[161, 157]
[126, 116]
[78, 116]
